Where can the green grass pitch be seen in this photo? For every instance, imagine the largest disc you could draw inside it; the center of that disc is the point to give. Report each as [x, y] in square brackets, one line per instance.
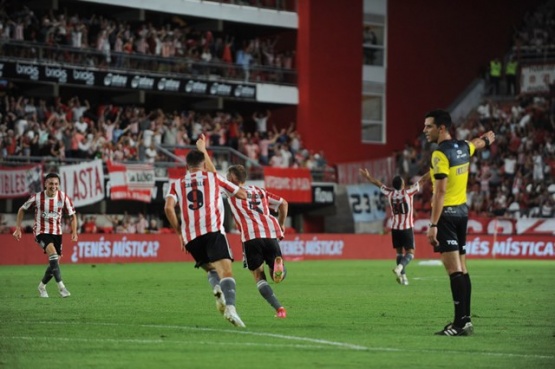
[341, 314]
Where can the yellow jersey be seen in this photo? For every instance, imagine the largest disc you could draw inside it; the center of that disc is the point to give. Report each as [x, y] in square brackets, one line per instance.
[451, 160]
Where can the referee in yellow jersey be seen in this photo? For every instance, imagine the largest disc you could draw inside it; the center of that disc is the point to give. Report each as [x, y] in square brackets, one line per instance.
[447, 230]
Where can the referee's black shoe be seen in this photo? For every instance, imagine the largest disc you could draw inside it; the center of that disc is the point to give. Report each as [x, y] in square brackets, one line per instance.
[452, 330]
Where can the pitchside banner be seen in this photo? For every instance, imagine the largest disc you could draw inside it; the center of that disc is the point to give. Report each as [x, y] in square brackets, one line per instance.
[135, 248]
[367, 203]
[20, 181]
[131, 181]
[294, 185]
[494, 226]
[83, 183]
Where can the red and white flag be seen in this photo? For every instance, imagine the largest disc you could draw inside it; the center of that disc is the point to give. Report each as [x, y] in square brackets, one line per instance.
[131, 181]
[20, 181]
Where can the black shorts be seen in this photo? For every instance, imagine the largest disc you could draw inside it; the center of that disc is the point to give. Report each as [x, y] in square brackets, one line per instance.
[403, 238]
[451, 229]
[45, 239]
[260, 250]
[208, 248]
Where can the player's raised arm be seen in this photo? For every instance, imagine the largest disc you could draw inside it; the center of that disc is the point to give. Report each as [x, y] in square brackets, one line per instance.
[364, 172]
[201, 146]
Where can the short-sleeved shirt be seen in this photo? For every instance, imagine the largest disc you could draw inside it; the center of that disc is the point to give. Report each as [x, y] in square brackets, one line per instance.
[49, 211]
[401, 202]
[252, 215]
[198, 195]
[451, 160]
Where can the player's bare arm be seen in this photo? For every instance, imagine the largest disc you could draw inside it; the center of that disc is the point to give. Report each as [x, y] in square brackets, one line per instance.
[241, 194]
[74, 236]
[282, 214]
[364, 172]
[424, 178]
[19, 219]
[201, 146]
[437, 208]
[169, 209]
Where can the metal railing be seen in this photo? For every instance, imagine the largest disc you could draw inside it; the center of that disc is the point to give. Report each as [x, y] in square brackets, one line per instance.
[183, 66]
[223, 157]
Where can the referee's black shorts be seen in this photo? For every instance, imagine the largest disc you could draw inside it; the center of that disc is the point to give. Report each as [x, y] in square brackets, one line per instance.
[451, 229]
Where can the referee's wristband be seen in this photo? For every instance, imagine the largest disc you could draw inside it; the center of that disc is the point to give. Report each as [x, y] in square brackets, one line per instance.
[486, 140]
[432, 225]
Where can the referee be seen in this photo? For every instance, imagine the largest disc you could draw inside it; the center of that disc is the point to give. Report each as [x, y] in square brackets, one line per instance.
[447, 230]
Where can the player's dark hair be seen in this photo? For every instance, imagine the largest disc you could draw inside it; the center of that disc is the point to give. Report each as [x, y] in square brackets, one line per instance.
[397, 182]
[194, 159]
[52, 175]
[239, 171]
[441, 117]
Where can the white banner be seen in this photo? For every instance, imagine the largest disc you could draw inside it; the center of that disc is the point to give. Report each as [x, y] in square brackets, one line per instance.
[20, 181]
[83, 183]
[536, 78]
[367, 202]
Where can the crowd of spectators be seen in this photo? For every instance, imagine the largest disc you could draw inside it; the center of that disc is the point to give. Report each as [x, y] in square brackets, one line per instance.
[536, 36]
[125, 223]
[73, 129]
[172, 45]
[514, 178]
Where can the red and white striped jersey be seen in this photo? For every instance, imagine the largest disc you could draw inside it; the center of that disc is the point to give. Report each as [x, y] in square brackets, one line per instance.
[49, 211]
[198, 195]
[252, 215]
[401, 202]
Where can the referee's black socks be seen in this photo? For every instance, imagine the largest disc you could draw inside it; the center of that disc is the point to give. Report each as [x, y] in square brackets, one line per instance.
[459, 292]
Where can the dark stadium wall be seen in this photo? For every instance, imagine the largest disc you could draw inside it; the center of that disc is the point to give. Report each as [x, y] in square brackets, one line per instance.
[329, 55]
[435, 48]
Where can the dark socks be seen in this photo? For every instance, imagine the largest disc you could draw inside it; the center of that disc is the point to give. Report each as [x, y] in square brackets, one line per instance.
[47, 275]
[458, 290]
[55, 267]
[404, 260]
[468, 295]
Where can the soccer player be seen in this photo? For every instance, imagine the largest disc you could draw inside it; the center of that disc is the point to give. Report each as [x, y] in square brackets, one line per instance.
[402, 232]
[449, 218]
[260, 232]
[201, 232]
[50, 206]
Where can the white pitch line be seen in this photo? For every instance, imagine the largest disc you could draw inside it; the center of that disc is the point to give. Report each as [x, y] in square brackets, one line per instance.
[232, 331]
[318, 342]
[163, 341]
